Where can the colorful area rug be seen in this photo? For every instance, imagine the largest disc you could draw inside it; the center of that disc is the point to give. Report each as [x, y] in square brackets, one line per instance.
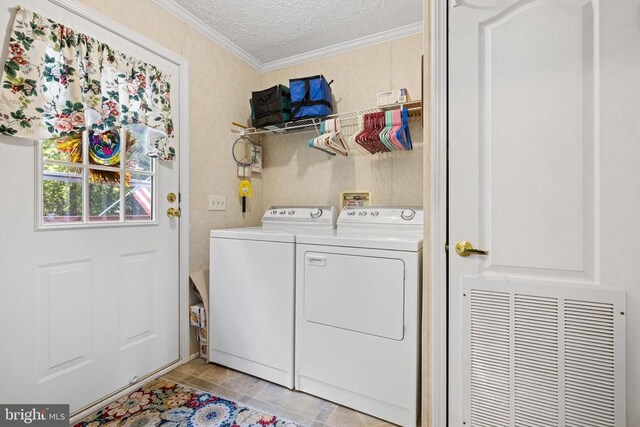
[164, 403]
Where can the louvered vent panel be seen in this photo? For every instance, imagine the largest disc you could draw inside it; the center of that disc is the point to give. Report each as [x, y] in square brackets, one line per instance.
[536, 361]
[539, 355]
[490, 333]
[589, 364]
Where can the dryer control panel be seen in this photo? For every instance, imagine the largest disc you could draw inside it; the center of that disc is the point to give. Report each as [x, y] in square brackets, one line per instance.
[400, 217]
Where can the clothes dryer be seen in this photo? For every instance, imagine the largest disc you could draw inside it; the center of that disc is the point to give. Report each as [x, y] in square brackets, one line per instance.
[358, 312]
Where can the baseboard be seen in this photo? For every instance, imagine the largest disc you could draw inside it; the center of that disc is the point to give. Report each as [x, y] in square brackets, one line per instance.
[194, 356]
[122, 392]
[387, 411]
[251, 367]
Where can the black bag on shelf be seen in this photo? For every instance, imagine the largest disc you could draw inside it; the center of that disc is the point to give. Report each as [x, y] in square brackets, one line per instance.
[270, 106]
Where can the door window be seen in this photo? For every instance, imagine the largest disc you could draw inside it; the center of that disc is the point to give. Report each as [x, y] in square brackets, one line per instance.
[105, 178]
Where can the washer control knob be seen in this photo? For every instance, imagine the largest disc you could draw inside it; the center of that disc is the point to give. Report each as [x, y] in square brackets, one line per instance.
[375, 213]
[363, 213]
[292, 212]
[316, 213]
[274, 212]
[283, 212]
[408, 214]
[351, 213]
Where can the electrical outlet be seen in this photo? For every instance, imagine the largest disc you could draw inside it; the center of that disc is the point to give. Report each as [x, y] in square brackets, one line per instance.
[217, 203]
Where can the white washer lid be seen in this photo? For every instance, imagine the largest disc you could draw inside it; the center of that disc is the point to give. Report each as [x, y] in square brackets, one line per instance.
[255, 233]
[411, 242]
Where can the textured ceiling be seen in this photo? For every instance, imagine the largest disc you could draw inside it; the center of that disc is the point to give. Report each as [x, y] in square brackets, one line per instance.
[271, 30]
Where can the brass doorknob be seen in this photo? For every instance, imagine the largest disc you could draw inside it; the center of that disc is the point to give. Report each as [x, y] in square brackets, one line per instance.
[174, 213]
[464, 249]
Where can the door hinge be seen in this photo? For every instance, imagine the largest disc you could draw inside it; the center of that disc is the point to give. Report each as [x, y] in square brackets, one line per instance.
[446, 247]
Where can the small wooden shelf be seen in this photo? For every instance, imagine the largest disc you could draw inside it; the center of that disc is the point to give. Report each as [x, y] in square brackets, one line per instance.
[347, 120]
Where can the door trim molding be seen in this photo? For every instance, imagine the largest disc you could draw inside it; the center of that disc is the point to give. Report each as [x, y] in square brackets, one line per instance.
[436, 175]
[73, 6]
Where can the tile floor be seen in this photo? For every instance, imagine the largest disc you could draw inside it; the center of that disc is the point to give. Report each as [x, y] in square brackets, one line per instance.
[301, 408]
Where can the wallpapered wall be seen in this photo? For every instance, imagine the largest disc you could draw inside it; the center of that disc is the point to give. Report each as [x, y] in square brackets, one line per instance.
[296, 174]
[219, 84]
[219, 88]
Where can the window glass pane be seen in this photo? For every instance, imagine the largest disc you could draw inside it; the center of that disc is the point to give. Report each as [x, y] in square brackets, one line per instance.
[104, 148]
[104, 176]
[104, 201]
[137, 158]
[139, 198]
[61, 194]
[63, 150]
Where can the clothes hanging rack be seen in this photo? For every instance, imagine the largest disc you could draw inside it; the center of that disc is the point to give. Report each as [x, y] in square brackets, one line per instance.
[347, 120]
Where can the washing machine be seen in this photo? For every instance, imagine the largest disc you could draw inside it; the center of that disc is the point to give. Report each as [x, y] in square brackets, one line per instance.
[358, 293]
[252, 292]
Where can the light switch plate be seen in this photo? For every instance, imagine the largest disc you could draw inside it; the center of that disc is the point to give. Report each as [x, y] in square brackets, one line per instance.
[217, 203]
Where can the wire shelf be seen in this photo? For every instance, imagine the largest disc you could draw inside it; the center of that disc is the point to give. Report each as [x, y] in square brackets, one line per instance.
[349, 119]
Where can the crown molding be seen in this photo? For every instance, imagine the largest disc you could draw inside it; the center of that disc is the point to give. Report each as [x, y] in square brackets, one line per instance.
[359, 43]
[196, 23]
[189, 18]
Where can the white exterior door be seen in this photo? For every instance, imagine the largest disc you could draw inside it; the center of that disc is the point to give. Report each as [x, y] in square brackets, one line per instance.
[86, 310]
[544, 100]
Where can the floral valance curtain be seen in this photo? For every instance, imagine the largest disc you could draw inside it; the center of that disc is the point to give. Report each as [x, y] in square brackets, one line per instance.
[58, 83]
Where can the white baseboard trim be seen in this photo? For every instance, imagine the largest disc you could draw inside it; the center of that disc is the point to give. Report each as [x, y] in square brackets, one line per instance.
[194, 356]
[117, 395]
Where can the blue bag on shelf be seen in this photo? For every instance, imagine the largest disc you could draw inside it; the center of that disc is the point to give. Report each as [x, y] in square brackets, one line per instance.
[310, 97]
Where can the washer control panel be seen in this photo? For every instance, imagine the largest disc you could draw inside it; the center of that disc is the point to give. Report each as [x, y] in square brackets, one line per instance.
[300, 215]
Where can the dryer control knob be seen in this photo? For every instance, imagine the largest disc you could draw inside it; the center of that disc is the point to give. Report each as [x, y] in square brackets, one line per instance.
[351, 213]
[316, 213]
[363, 213]
[283, 212]
[274, 212]
[292, 212]
[375, 213]
[408, 214]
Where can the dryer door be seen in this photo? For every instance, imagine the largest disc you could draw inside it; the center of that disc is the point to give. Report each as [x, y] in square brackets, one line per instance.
[355, 292]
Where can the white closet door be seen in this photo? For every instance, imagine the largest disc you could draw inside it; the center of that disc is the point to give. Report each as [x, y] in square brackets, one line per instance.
[543, 101]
